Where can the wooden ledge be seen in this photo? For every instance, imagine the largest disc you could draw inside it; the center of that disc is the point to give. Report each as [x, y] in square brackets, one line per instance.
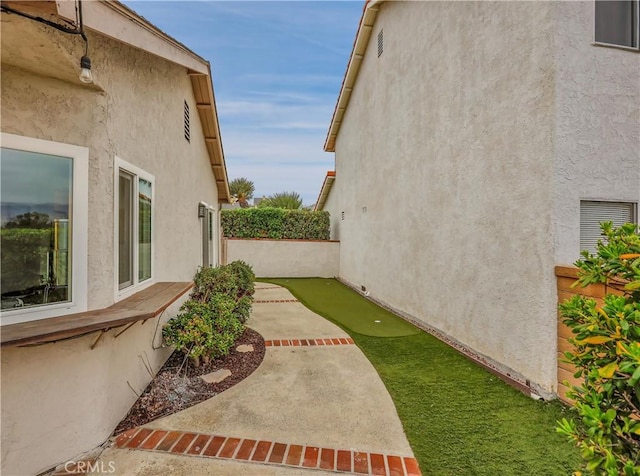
[140, 306]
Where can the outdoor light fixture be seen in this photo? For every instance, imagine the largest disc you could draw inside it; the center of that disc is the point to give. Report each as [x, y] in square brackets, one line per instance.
[85, 70]
[202, 207]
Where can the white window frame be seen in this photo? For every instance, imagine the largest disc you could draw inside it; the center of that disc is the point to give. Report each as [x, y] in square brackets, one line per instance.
[613, 45]
[209, 250]
[137, 173]
[79, 228]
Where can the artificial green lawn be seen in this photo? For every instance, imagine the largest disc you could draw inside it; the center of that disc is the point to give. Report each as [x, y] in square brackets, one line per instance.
[459, 418]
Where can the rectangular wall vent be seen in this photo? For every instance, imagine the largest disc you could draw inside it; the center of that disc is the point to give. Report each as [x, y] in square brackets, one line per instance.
[187, 130]
[380, 42]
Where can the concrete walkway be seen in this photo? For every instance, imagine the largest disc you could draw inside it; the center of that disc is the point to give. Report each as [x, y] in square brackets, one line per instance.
[308, 409]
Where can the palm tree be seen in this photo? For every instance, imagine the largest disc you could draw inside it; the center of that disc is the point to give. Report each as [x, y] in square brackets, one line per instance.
[289, 200]
[242, 189]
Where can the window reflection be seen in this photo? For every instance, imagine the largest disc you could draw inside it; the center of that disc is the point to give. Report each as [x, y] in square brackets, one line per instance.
[35, 238]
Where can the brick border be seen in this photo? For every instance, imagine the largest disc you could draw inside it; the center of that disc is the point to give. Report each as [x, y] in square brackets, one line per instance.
[308, 342]
[271, 301]
[267, 452]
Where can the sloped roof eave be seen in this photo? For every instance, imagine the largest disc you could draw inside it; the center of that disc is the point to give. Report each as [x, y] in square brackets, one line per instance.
[367, 21]
[140, 33]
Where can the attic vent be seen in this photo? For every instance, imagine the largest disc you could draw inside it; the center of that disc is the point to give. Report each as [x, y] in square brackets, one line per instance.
[380, 42]
[187, 131]
[342, 215]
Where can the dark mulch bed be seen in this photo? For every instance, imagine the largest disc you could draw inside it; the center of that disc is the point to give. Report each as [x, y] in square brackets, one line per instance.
[178, 384]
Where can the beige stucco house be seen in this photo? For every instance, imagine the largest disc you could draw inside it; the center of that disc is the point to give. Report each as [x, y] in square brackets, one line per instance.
[477, 146]
[110, 198]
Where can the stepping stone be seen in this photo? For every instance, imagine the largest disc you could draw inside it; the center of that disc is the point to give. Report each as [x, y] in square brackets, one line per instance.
[217, 376]
[245, 348]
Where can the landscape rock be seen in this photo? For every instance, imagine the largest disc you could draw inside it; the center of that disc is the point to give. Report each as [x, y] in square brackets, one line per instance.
[217, 376]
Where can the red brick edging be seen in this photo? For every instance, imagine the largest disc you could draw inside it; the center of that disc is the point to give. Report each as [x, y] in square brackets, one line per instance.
[267, 452]
[265, 301]
[307, 342]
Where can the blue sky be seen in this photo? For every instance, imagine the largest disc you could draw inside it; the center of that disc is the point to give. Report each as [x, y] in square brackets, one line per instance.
[277, 69]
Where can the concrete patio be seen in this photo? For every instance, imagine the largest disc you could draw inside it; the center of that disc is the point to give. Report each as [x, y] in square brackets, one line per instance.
[308, 409]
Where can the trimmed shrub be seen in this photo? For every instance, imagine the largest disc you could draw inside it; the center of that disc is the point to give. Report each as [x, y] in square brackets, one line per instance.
[212, 320]
[607, 356]
[275, 223]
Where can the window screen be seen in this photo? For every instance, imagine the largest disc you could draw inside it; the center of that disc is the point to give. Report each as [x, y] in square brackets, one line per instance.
[617, 23]
[593, 213]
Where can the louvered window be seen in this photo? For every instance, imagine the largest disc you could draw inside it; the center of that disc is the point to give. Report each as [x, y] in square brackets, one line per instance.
[593, 213]
[187, 130]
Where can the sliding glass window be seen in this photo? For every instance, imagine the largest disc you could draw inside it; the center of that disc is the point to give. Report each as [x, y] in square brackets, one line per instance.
[134, 227]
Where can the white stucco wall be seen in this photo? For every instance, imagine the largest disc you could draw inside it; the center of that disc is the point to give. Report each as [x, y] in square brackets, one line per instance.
[597, 124]
[139, 118]
[59, 400]
[447, 142]
[287, 258]
[332, 205]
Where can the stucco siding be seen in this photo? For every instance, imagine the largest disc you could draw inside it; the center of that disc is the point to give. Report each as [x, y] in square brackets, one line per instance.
[332, 205]
[138, 117]
[445, 167]
[62, 399]
[286, 258]
[597, 117]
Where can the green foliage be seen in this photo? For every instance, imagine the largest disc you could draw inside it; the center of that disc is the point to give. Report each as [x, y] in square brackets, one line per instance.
[286, 200]
[607, 356]
[275, 223]
[242, 189]
[23, 254]
[211, 321]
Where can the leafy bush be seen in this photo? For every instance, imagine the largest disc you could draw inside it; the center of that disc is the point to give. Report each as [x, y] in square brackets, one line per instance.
[275, 223]
[245, 278]
[211, 321]
[607, 356]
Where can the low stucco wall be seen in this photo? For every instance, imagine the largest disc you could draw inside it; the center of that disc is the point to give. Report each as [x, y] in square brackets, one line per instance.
[286, 258]
[63, 399]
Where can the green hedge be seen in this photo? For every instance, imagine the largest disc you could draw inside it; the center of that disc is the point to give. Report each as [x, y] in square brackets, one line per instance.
[275, 223]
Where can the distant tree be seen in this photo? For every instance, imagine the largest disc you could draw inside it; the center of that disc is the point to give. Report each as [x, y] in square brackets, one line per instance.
[242, 189]
[30, 220]
[288, 200]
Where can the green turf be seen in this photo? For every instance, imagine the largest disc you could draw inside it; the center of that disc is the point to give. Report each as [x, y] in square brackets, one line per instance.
[345, 307]
[459, 418]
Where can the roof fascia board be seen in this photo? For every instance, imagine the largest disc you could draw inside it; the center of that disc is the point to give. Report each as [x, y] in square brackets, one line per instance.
[116, 21]
[214, 112]
[324, 191]
[367, 21]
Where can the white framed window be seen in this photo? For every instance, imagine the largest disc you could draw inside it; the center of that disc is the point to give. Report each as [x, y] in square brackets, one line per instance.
[209, 220]
[617, 23]
[594, 212]
[43, 231]
[133, 228]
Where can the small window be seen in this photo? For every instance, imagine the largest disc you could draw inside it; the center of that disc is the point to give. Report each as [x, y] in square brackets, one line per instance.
[592, 213]
[134, 228]
[208, 244]
[380, 42]
[187, 126]
[616, 23]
